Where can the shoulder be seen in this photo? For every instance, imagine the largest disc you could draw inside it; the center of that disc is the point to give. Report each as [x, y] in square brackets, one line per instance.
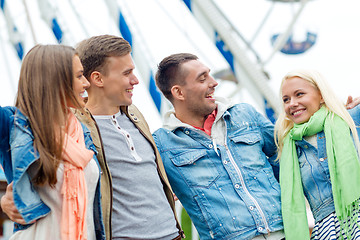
[355, 114]
[160, 134]
[243, 110]
[243, 107]
[133, 113]
[6, 115]
[85, 128]
[161, 131]
[132, 109]
[9, 110]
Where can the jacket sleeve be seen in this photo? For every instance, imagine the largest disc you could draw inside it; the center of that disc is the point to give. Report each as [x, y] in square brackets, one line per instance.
[355, 114]
[6, 119]
[270, 149]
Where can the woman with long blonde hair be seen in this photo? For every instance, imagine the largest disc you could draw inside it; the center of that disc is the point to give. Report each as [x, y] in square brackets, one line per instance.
[319, 157]
[55, 174]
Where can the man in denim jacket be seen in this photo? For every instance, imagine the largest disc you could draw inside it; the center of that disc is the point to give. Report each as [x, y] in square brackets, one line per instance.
[219, 157]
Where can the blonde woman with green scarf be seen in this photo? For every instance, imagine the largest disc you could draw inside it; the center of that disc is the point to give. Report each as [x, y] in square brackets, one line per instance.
[319, 158]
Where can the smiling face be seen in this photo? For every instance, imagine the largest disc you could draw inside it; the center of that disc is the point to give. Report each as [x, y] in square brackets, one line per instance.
[301, 99]
[199, 88]
[119, 80]
[80, 83]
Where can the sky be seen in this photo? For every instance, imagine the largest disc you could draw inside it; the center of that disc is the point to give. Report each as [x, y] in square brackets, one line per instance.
[164, 27]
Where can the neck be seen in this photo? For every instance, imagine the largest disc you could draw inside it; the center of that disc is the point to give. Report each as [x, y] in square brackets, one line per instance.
[196, 121]
[99, 106]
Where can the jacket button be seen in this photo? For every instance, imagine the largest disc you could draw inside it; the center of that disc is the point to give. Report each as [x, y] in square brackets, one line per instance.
[237, 185]
[135, 118]
[210, 145]
[260, 229]
[187, 132]
[321, 159]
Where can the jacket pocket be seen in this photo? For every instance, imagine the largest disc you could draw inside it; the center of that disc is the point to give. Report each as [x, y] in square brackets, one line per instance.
[248, 138]
[247, 150]
[196, 167]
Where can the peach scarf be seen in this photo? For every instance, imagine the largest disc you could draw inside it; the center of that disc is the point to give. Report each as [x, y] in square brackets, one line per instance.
[75, 157]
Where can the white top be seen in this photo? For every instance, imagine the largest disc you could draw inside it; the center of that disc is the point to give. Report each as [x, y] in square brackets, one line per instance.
[49, 226]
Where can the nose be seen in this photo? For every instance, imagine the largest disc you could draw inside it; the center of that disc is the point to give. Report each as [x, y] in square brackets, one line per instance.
[293, 103]
[213, 82]
[85, 82]
[134, 80]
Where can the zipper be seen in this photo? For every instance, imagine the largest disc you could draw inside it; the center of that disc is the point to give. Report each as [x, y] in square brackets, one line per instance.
[243, 183]
[245, 189]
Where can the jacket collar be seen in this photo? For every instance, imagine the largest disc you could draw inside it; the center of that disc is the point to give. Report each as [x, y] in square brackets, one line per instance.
[171, 122]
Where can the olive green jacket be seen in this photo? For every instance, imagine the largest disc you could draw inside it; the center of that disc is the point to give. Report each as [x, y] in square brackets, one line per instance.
[106, 182]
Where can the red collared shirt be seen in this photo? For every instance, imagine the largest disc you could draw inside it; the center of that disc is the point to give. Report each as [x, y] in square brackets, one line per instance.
[208, 123]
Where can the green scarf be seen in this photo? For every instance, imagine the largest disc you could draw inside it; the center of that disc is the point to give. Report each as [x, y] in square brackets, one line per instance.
[344, 167]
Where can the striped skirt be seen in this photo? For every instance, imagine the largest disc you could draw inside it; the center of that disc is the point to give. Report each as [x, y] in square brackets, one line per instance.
[329, 229]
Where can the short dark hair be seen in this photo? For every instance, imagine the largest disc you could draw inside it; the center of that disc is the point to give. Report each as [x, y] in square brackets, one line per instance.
[93, 52]
[169, 72]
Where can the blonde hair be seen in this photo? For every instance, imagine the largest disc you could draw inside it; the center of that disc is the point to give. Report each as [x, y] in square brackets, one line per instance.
[45, 85]
[332, 102]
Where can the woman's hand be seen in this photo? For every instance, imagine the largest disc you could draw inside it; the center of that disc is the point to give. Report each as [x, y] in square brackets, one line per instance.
[8, 206]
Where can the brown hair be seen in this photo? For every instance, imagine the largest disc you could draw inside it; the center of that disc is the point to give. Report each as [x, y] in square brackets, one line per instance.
[170, 73]
[93, 52]
[45, 84]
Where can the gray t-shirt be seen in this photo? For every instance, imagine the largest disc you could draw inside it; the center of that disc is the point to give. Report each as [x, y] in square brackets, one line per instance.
[140, 208]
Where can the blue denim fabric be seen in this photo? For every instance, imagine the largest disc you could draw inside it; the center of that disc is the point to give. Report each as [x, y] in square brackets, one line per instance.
[315, 173]
[6, 122]
[26, 199]
[232, 194]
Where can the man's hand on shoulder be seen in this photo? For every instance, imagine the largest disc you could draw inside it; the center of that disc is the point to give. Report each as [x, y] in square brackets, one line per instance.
[352, 102]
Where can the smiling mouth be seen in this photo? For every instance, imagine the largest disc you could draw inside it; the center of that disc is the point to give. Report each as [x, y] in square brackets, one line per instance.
[210, 96]
[297, 112]
[129, 90]
[83, 94]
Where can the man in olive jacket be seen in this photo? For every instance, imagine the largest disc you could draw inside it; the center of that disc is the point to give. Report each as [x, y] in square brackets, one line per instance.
[137, 200]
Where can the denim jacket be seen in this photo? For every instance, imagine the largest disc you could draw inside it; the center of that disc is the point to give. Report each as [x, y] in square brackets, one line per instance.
[228, 190]
[315, 173]
[6, 122]
[26, 199]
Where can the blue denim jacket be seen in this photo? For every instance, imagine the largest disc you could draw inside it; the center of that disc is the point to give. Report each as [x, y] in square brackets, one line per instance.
[315, 173]
[231, 193]
[6, 122]
[26, 199]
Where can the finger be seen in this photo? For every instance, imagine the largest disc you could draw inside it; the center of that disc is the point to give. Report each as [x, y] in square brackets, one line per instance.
[20, 221]
[15, 216]
[349, 100]
[9, 187]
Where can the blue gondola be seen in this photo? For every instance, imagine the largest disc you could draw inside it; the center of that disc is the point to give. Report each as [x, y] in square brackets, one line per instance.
[294, 47]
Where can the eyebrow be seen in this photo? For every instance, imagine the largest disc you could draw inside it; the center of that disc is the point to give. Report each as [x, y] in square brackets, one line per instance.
[202, 73]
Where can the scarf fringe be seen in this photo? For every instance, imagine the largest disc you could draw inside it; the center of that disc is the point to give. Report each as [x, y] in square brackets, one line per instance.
[350, 220]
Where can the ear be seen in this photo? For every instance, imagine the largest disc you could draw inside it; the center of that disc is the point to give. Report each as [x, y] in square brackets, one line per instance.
[322, 100]
[96, 79]
[177, 92]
